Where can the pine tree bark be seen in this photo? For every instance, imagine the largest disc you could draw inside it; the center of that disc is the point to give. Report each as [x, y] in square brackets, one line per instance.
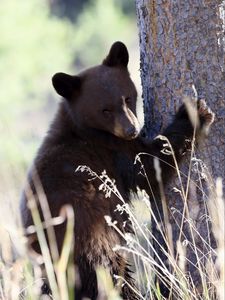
[182, 45]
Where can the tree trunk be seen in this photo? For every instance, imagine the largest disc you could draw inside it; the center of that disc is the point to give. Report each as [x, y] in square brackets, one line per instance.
[182, 45]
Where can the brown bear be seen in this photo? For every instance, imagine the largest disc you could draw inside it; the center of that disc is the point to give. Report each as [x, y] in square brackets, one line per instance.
[96, 126]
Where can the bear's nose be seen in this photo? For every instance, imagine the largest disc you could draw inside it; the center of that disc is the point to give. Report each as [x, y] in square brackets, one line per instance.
[131, 131]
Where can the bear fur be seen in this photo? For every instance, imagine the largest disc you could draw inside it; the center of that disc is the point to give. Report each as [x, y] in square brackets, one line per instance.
[96, 126]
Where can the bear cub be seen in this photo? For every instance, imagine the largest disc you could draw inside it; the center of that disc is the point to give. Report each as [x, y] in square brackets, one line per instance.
[96, 125]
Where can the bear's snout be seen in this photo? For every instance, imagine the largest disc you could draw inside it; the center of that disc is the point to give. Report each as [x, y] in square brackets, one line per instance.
[131, 132]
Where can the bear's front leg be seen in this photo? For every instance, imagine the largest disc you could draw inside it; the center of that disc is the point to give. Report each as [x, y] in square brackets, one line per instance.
[175, 141]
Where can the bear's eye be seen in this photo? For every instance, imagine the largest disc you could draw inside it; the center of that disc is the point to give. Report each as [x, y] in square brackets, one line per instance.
[128, 100]
[107, 112]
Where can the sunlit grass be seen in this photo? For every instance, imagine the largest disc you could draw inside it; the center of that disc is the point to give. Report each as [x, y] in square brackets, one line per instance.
[21, 270]
[21, 274]
[21, 277]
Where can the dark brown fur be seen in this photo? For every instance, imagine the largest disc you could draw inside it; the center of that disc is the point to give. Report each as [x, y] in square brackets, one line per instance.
[96, 126]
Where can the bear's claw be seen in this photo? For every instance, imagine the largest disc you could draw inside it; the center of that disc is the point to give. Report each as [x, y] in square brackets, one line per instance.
[205, 113]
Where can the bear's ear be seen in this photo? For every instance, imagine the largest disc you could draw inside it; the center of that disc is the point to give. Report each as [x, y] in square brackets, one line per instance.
[66, 85]
[118, 56]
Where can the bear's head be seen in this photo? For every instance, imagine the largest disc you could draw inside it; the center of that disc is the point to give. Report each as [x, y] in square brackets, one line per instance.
[103, 97]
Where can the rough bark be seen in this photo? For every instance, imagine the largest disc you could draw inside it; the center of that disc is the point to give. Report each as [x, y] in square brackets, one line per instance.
[182, 44]
[179, 48]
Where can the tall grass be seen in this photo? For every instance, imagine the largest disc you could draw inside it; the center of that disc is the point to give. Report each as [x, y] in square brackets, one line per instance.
[21, 270]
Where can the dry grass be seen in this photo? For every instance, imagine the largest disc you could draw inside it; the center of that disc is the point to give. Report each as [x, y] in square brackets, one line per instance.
[21, 277]
[21, 271]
